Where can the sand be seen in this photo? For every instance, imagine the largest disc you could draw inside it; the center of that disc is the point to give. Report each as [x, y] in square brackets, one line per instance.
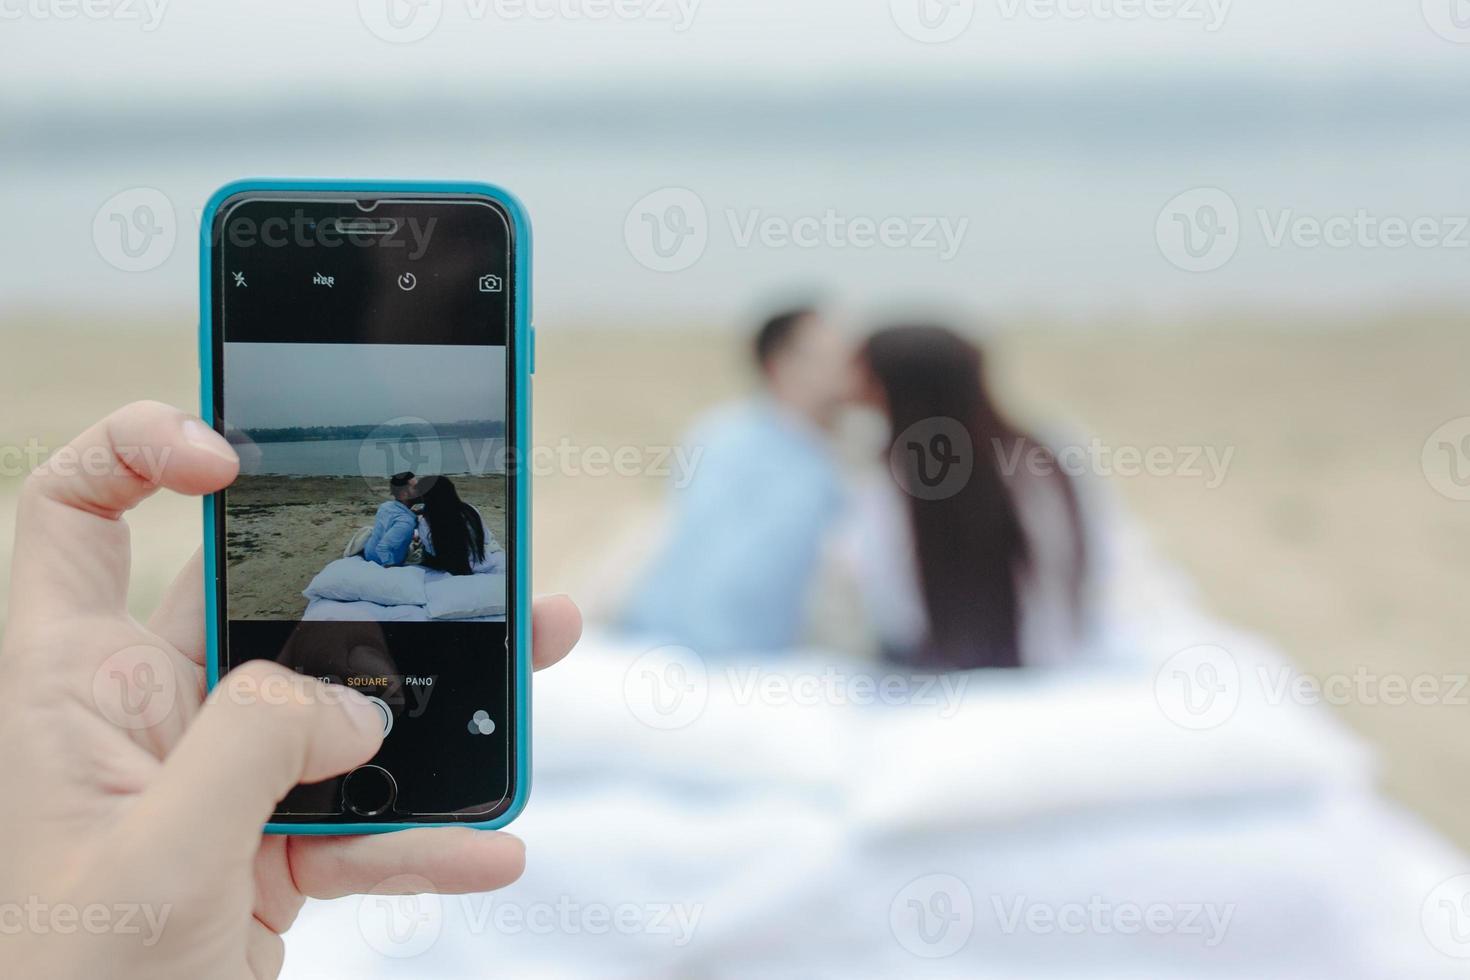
[281, 531]
[1325, 536]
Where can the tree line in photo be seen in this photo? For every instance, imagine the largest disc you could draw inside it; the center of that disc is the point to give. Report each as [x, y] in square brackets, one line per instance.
[482, 429]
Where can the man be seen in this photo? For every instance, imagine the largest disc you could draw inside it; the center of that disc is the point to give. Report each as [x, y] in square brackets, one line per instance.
[746, 532]
[395, 523]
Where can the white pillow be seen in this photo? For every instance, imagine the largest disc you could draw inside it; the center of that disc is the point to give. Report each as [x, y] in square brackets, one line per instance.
[357, 579]
[330, 610]
[463, 596]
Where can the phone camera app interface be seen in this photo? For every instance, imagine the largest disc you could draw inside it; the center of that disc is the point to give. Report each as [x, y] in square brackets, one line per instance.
[362, 372]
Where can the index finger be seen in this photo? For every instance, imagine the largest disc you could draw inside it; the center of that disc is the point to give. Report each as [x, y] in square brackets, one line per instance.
[71, 549]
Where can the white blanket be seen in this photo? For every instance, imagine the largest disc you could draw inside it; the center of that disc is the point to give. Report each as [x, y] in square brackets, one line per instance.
[356, 589]
[775, 821]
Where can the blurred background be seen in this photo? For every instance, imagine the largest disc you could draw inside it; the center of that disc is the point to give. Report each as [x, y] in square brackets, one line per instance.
[1197, 224]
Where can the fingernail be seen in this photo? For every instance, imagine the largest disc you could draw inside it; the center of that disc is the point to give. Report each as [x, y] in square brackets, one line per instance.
[201, 435]
[366, 715]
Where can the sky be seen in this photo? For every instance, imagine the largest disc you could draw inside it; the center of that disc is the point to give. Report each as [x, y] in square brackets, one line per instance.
[278, 385]
[191, 49]
[1050, 134]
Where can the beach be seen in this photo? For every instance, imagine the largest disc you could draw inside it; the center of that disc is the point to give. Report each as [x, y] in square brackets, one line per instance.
[282, 530]
[1324, 534]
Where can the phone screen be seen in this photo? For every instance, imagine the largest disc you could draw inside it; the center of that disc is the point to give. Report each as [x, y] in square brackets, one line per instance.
[363, 371]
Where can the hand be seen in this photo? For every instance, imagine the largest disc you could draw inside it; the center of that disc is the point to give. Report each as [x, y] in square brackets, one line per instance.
[131, 850]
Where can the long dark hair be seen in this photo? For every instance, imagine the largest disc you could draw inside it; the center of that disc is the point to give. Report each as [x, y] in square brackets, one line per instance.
[458, 536]
[971, 546]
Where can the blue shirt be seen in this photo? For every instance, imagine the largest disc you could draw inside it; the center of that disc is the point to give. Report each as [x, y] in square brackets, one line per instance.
[746, 534]
[392, 534]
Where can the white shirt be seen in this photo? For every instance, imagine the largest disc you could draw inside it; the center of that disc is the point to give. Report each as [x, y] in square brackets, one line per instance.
[877, 547]
[494, 557]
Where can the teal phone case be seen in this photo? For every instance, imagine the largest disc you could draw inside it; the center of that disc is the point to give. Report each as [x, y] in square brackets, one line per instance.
[522, 352]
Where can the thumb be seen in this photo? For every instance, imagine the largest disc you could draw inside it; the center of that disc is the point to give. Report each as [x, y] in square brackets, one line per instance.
[263, 730]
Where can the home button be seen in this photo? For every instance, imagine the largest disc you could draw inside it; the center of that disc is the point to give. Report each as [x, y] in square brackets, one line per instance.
[369, 791]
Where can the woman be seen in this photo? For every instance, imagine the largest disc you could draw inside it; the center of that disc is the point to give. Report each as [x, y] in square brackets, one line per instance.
[454, 536]
[973, 552]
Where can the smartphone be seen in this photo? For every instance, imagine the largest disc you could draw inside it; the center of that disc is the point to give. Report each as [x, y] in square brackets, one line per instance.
[367, 349]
